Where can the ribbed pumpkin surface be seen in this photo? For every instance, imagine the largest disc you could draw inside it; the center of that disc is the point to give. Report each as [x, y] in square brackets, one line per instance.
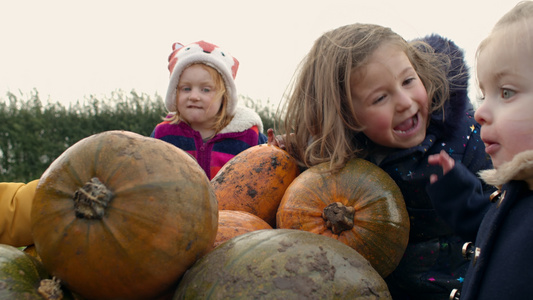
[282, 264]
[160, 217]
[380, 225]
[21, 275]
[232, 223]
[255, 180]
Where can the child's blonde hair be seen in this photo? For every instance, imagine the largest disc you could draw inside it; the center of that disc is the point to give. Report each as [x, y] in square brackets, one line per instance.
[523, 11]
[320, 111]
[222, 118]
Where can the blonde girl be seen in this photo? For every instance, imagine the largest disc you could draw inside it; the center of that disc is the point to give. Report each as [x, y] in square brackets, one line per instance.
[364, 91]
[204, 118]
[500, 252]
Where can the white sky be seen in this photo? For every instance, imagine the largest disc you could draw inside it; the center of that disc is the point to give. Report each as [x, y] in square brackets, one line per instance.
[71, 49]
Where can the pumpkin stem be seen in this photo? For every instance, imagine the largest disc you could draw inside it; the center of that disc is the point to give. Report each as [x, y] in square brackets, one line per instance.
[91, 200]
[50, 289]
[338, 217]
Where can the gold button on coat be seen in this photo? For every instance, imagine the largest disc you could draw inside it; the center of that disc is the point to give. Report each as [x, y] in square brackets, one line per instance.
[470, 252]
[455, 294]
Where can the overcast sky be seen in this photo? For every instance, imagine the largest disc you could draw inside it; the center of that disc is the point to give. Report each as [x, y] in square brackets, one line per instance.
[70, 49]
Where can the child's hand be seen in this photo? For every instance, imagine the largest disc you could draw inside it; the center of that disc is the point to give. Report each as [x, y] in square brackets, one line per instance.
[275, 140]
[442, 159]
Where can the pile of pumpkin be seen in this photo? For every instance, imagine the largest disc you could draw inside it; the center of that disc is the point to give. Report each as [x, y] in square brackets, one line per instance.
[122, 216]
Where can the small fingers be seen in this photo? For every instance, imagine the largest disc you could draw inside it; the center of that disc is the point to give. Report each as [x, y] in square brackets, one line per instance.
[271, 138]
[433, 178]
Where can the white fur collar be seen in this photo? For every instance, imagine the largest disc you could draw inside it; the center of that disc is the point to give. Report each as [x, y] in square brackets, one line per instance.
[243, 119]
[519, 168]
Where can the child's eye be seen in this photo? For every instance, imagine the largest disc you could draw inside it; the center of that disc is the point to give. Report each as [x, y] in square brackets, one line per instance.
[206, 90]
[507, 93]
[408, 81]
[378, 100]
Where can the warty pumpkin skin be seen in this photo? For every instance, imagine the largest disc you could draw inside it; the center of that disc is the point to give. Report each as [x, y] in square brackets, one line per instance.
[22, 277]
[123, 216]
[282, 264]
[232, 223]
[368, 205]
[255, 180]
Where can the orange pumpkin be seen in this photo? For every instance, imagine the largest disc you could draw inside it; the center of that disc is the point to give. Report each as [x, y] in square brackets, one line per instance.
[232, 223]
[122, 216]
[360, 205]
[255, 180]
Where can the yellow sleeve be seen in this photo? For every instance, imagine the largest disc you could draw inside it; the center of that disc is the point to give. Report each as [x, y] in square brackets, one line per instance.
[15, 208]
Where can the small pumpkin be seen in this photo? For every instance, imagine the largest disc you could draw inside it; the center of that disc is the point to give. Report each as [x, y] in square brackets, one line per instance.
[23, 277]
[255, 180]
[282, 264]
[123, 216]
[360, 205]
[232, 223]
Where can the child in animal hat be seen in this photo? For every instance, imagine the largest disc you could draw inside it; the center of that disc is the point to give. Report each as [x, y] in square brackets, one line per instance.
[204, 118]
[15, 208]
[500, 258]
[363, 91]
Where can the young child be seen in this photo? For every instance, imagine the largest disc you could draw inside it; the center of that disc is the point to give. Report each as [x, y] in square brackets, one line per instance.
[501, 261]
[204, 118]
[15, 207]
[363, 91]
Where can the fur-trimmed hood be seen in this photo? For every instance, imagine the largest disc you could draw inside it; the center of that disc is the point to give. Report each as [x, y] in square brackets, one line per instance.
[458, 76]
[243, 120]
[519, 168]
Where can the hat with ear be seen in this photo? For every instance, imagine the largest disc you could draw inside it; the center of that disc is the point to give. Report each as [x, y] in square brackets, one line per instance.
[208, 54]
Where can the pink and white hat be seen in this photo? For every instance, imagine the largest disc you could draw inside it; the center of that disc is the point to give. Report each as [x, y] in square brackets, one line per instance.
[208, 54]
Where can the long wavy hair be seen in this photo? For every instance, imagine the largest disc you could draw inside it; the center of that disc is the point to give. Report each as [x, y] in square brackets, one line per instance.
[320, 124]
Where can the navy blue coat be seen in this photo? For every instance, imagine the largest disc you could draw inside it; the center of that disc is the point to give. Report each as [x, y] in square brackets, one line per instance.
[433, 264]
[503, 268]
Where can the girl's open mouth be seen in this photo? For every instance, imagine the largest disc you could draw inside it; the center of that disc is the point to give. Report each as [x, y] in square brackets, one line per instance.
[408, 125]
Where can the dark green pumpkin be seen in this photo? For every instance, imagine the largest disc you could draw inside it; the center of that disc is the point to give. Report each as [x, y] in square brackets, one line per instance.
[282, 264]
[21, 275]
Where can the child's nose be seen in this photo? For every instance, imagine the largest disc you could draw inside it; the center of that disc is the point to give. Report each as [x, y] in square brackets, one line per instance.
[194, 95]
[403, 101]
[482, 115]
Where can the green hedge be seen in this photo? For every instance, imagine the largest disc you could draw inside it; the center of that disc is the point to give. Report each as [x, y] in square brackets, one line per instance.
[33, 134]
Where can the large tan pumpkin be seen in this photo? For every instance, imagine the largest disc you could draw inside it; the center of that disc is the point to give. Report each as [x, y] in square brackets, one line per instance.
[282, 264]
[255, 180]
[360, 205]
[122, 216]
